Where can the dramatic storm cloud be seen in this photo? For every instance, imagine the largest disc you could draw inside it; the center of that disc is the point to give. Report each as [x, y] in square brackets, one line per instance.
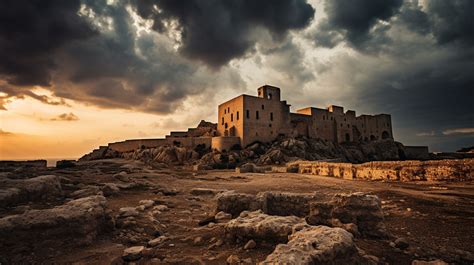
[215, 32]
[178, 59]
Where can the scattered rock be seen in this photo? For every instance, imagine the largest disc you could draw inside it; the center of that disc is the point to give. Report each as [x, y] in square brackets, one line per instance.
[401, 243]
[222, 217]
[161, 208]
[110, 189]
[316, 245]
[233, 260]
[156, 241]
[128, 211]
[250, 244]
[207, 220]
[133, 253]
[203, 191]
[257, 225]
[147, 203]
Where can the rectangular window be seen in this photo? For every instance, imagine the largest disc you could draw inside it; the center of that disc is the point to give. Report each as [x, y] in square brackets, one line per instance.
[237, 115]
[248, 114]
[256, 115]
[232, 117]
[271, 116]
[222, 120]
[263, 107]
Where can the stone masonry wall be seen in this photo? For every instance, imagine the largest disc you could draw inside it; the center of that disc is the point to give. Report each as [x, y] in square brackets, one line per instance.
[434, 170]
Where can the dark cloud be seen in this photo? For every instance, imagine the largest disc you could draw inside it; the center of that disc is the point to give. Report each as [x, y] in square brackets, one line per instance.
[31, 31]
[452, 20]
[355, 20]
[66, 117]
[216, 32]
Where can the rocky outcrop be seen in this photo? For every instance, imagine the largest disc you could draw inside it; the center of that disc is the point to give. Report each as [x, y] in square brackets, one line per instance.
[274, 203]
[6, 165]
[24, 190]
[259, 226]
[316, 245]
[77, 222]
[362, 210]
[163, 154]
[434, 170]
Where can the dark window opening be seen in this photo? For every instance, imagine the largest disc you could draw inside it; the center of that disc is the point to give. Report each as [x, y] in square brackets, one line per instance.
[348, 126]
[237, 117]
[222, 120]
[232, 117]
[348, 137]
[269, 95]
[263, 107]
[225, 111]
[324, 118]
[228, 109]
[271, 116]
[256, 115]
[248, 114]
[270, 125]
[226, 125]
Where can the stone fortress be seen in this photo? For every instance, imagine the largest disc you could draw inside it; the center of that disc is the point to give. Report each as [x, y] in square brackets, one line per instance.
[265, 117]
[246, 119]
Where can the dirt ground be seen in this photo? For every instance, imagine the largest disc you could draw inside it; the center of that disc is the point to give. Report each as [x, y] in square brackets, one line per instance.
[437, 219]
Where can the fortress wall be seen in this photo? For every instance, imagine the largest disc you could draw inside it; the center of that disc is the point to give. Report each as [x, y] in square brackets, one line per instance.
[224, 142]
[434, 170]
[131, 145]
[265, 128]
[230, 117]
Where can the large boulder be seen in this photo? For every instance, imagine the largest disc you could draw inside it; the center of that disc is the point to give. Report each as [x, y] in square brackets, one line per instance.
[25, 190]
[77, 222]
[358, 208]
[259, 226]
[316, 245]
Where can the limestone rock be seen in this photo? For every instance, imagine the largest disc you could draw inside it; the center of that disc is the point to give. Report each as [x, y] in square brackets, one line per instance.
[221, 217]
[77, 222]
[250, 244]
[147, 203]
[24, 190]
[316, 245]
[133, 253]
[203, 191]
[110, 189]
[259, 226]
[360, 209]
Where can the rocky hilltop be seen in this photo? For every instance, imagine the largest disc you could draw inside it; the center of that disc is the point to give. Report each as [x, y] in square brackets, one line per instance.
[281, 151]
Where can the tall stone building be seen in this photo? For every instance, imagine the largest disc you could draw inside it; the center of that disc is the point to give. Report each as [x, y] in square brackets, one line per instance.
[246, 119]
